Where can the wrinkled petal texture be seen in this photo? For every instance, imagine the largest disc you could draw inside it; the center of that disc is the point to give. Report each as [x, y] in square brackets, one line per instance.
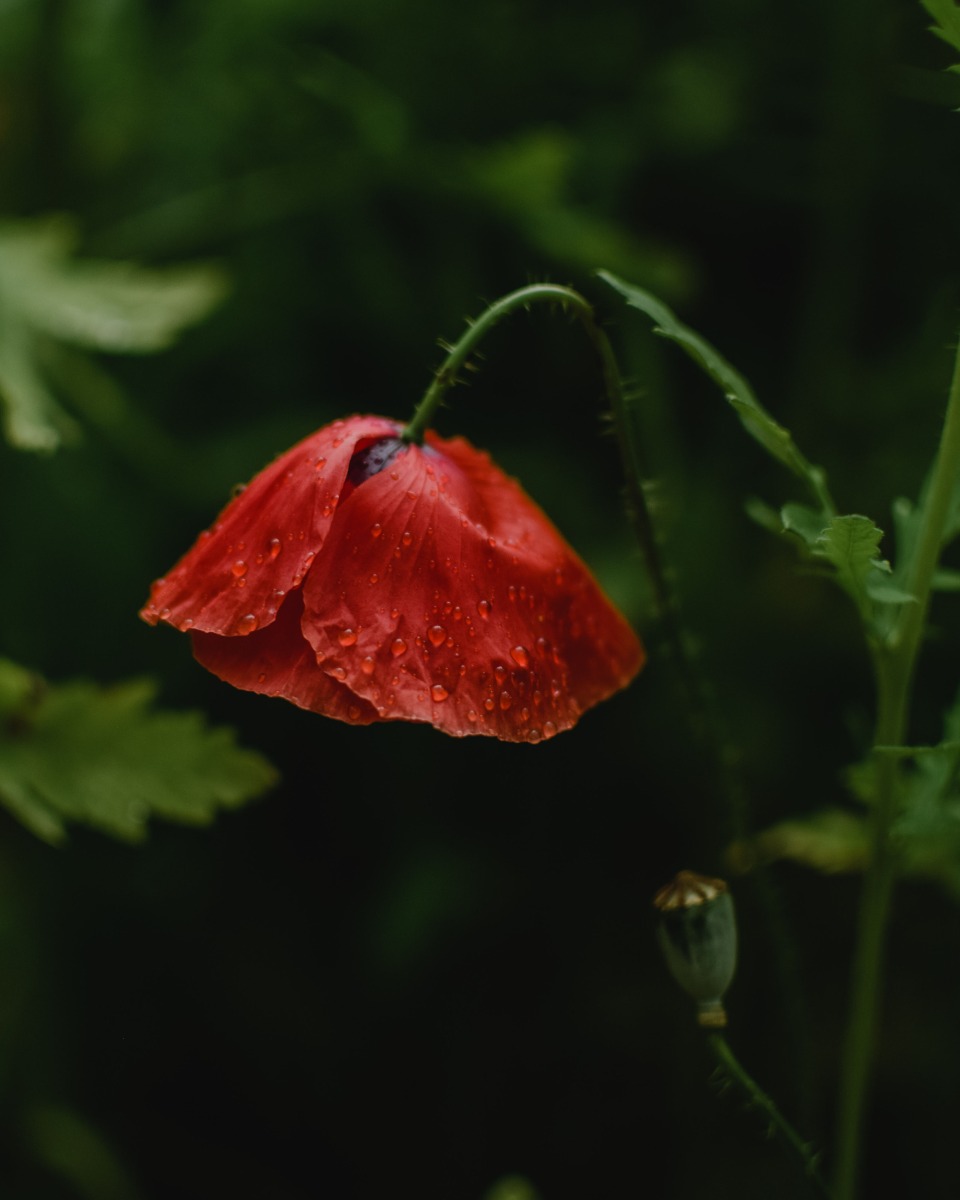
[435, 590]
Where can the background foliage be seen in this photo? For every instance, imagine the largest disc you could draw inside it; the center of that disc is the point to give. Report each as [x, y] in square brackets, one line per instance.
[422, 963]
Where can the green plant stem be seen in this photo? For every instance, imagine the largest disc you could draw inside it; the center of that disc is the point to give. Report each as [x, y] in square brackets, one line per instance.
[570, 301]
[894, 663]
[758, 1098]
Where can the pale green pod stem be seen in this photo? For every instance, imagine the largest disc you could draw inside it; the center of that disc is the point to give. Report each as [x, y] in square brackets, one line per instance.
[697, 932]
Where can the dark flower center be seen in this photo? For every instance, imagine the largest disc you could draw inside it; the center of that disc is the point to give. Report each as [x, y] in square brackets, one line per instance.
[373, 459]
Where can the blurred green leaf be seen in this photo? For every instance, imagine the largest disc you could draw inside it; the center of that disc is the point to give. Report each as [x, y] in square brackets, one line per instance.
[527, 178]
[104, 757]
[46, 297]
[850, 544]
[947, 16]
[71, 1147]
[831, 841]
[774, 438]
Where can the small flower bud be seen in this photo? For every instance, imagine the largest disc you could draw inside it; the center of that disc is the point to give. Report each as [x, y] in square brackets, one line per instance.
[698, 935]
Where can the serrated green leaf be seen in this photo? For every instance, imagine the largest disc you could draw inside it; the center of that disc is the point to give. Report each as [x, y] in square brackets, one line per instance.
[850, 543]
[47, 296]
[774, 438]
[105, 757]
[947, 15]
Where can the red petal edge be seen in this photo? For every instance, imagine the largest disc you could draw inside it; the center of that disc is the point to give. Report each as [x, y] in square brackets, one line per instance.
[433, 591]
[235, 577]
[445, 595]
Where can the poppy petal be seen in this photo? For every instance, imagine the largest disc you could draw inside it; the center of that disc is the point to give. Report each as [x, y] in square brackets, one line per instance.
[277, 661]
[234, 579]
[444, 594]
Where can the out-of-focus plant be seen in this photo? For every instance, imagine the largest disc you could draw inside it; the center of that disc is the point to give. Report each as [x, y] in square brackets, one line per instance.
[907, 815]
[52, 303]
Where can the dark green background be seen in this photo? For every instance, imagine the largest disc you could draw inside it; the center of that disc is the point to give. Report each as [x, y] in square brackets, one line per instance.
[423, 964]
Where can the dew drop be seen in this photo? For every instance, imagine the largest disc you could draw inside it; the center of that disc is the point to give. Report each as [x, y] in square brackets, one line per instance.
[471, 716]
[407, 537]
[549, 729]
[374, 578]
[186, 624]
[511, 592]
[247, 624]
[399, 647]
[353, 713]
[520, 656]
[368, 666]
[274, 548]
[524, 715]
[488, 704]
[261, 678]
[339, 673]
[500, 673]
[483, 608]
[376, 530]
[320, 657]
[347, 637]
[505, 700]
[439, 693]
[534, 736]
[320, 463]
[437, 635]
[238, 569]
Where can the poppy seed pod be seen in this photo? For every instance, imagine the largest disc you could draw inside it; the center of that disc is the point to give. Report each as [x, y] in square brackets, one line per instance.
[697, 932]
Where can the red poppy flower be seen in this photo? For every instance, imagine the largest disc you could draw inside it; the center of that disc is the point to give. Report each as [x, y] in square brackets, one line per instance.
[367, 579]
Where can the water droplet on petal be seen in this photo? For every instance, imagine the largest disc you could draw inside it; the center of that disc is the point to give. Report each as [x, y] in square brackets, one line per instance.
[261, 678]
[549, 729]
[471, 716]
[374, 578]
[368, 666]
[534, 736]
[505, 700]
[399, 647]
[520, 656]
[347, 637]
[376, 530]
[274, 547]
[488, 704]
[320, 463]
[238, 569]
[511, 592]
[500, 673]
[483, 608]
[439, 693]
[407, 537]
[353, 713]
[247, 624]
[437, 635]
[339, 673]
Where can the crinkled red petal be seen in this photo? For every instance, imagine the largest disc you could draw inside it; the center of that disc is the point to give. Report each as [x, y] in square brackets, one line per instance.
[278, 661]
[234, 579]
[444, 594]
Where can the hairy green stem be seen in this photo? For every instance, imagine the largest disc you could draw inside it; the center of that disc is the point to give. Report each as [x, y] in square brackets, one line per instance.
[758, 1099]
[570, 301]
[895, 662]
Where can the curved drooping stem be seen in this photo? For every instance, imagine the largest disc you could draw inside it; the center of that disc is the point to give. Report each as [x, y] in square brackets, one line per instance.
[572, 302]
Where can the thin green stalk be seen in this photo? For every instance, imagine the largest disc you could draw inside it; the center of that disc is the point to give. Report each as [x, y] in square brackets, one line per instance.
[758, 1098]
[895, 663]
[459, 355]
